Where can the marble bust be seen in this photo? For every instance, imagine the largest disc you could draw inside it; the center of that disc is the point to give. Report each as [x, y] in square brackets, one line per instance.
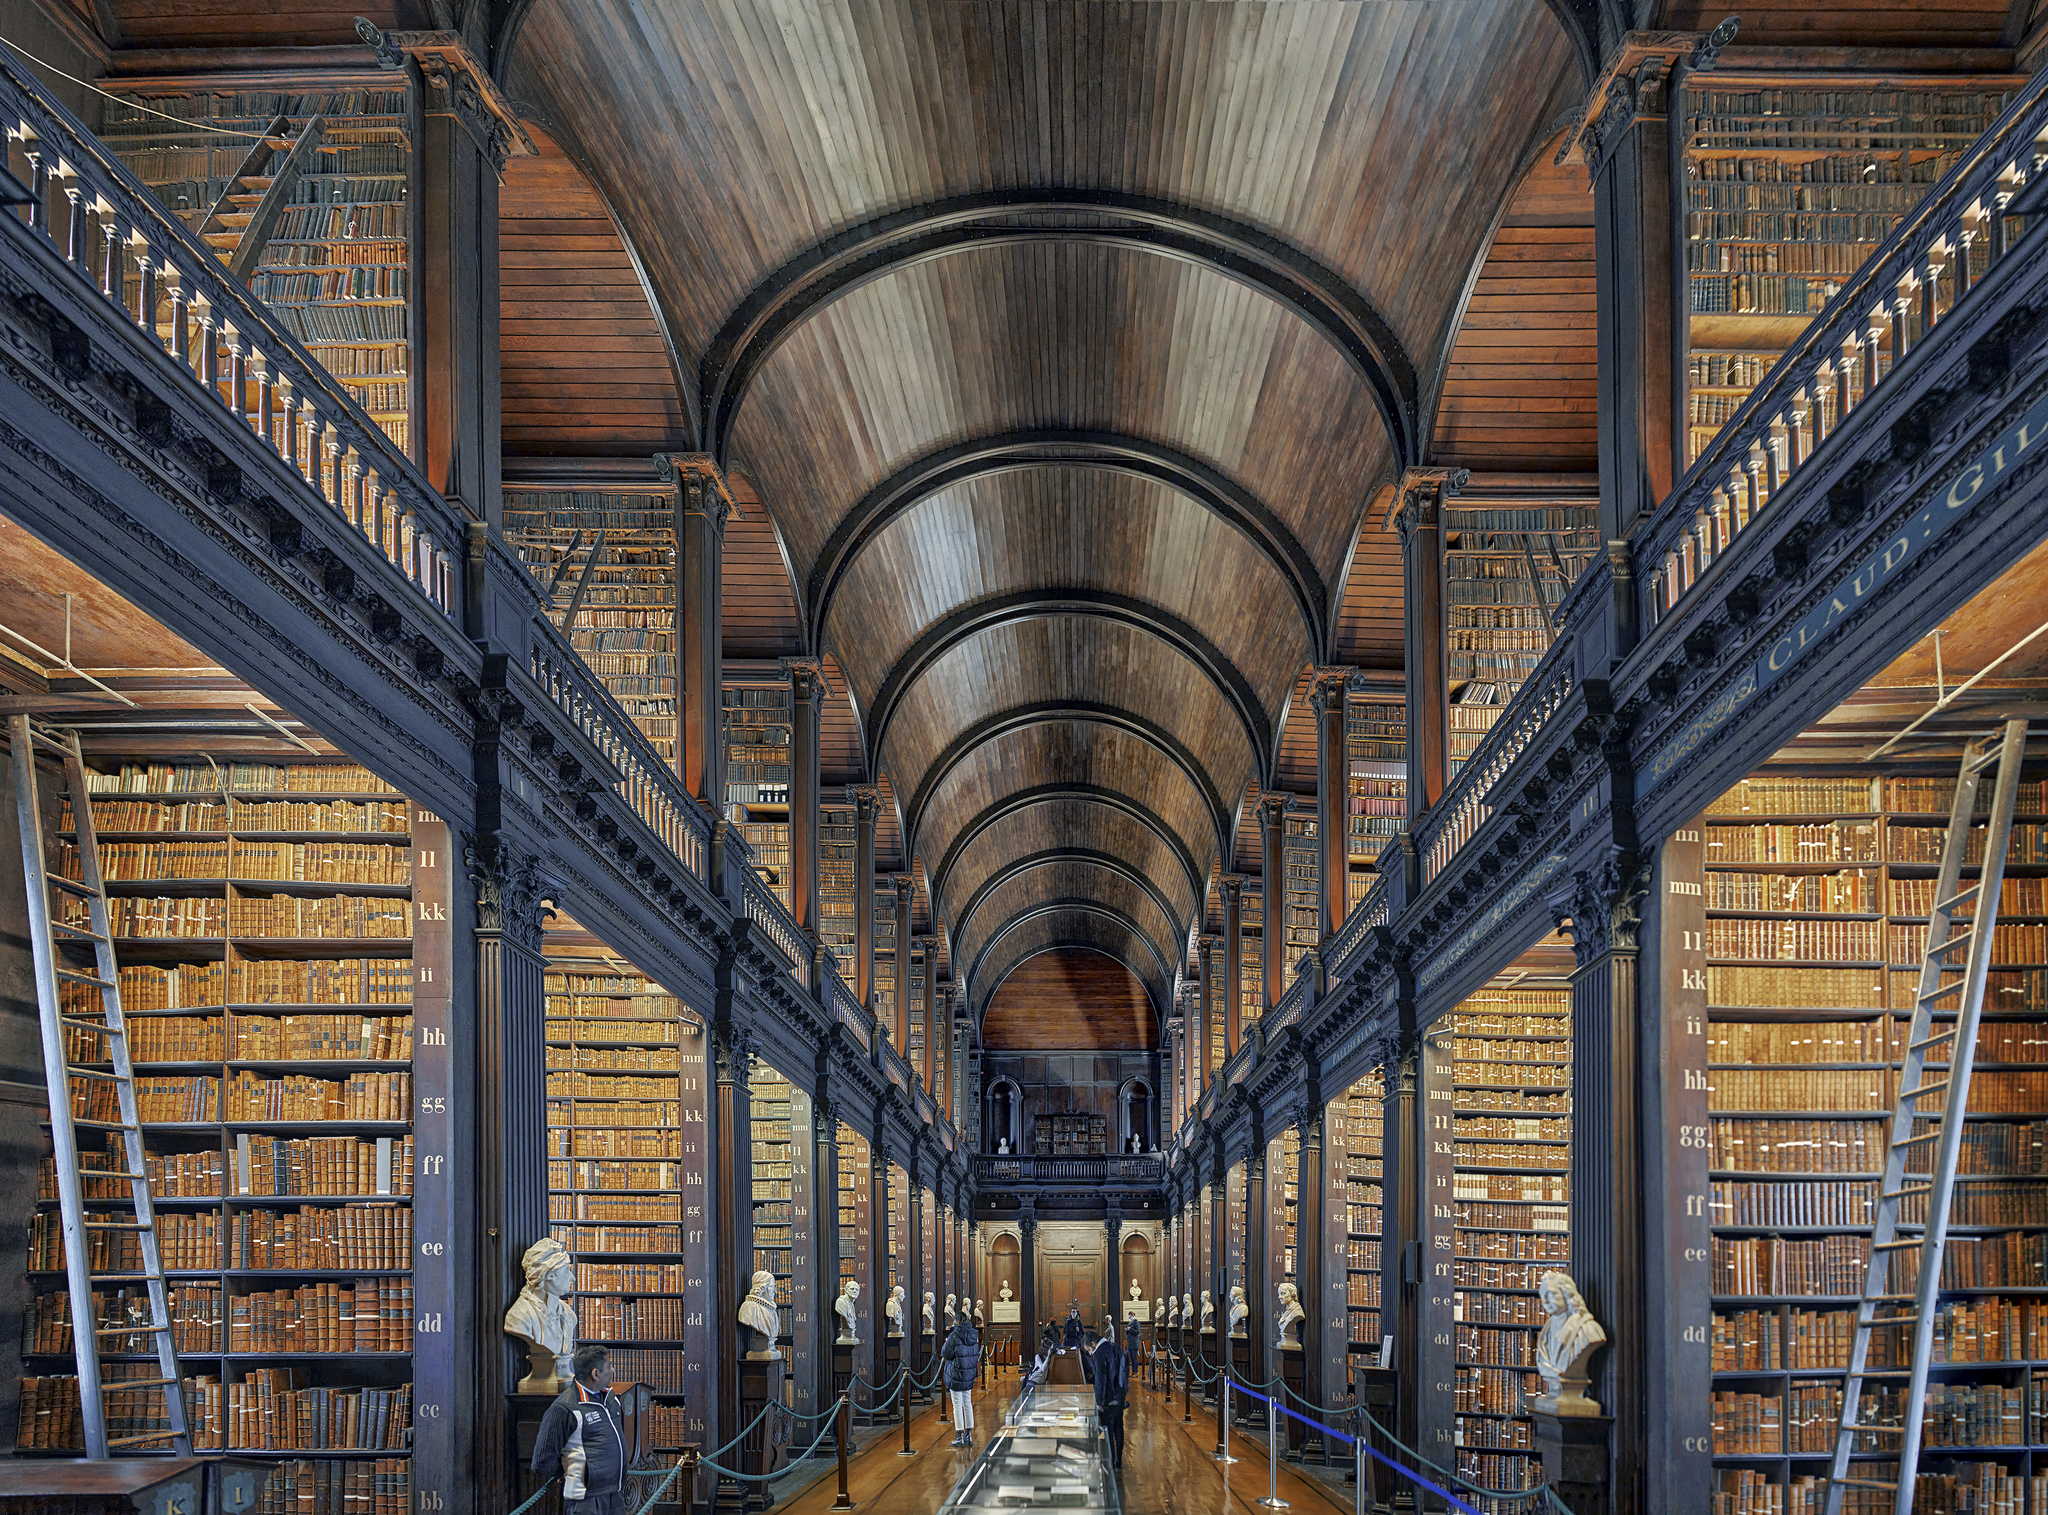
[1291, 1316]
[846, 1308]
[1006, 1296]
[1173, 1311]
[758, 1315]
[1208, 1312]
[929, 1328]
[1570, 1337]
[1158, 1312]
[1234, 1317]
[1187, 1310]
[952, 1314]
[542, 1319]
[894, 1311]
[980, 1314]
[1137, 1291]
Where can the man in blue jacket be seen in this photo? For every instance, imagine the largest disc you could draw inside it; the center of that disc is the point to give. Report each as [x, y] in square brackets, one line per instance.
[961, 1356]
[584, 1435]
[1112, 1388]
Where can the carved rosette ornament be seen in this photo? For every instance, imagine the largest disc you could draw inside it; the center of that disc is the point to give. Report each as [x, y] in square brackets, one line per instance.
[1603, 907]
[509, 896]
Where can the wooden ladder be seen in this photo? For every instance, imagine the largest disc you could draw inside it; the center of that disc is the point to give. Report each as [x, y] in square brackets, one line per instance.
[240, 222]
[82, 1054]
[1921, 1076]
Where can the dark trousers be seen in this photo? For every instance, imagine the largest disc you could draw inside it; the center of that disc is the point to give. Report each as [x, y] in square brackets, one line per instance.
[1113, 1423]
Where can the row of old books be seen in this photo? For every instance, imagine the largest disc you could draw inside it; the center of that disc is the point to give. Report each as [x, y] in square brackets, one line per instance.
[194, 1311]
[1511, 1155]
[335, 915]
[1514, 1128]
[584, 1086]
[1536, 1188]
[614, 1176]
[615, 1059]
[611, 1318]
[237, 778]
[359, 1097]
[368, 1315]
[1496, 1349]
[322, 1165]
[323, 981]
[568, 1111]
[621, 1142]
[1555, 1218]
[1486, 1048]
[563, 1208]
[186, 1242]
[344, 1238]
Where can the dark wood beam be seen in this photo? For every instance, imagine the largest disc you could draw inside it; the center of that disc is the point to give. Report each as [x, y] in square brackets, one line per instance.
[1113, 452]
[821, 274]
[1037, 604]
[1052, 712]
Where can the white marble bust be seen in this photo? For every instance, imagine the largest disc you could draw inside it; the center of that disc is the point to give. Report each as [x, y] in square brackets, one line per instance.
[1137, 1291]
[980, 1314]
[929, 1303]
[543, 1320]
[1006, 1296]
[952, 1314]
[894, 1311]
[1003, 1146]
[1290, 1317]
[1234, 1320]
[1158, 1312]
[1208, 1312]
[847, 1309]
[1172, 1311]
[1187, 1309]
[758, 1315]
[1570, 1337]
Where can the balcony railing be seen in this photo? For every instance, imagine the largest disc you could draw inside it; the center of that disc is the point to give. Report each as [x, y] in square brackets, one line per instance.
[766, 911]
[849, 1012]
[1122, 1168]
[648, 785]
[140, 258]
[1942, 250]
[1374, 910]
[1451, 822]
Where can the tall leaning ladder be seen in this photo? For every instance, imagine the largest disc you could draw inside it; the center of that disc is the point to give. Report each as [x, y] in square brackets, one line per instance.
[1964, 996]
[102, 1045]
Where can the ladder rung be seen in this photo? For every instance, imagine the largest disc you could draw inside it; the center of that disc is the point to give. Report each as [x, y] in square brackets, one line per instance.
[1923, 1089]
[116, 1225]
[1855, 1483]
[1934, 1041]
[73, 975]
[130, 1441]
[99, 1026]
[1878, 1430]
[75, 1071]
[1897, 1246]
[1956, 939]
[1908, 1192]
[91, 936]
[103, 1173]
[72, 884]
[1914, 1141]
[1932, 994]
[101, 1125]
[136, 1330]
[1988, 758]
[109, 1386]
[125, 1278]
[1891, 1299]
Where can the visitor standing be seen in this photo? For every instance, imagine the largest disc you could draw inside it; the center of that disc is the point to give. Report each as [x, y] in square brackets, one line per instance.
[961, 1357]
[1112, 1388]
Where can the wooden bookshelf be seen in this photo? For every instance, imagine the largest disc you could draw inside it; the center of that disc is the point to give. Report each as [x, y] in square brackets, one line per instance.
[757, 753]
[1360, 1191]
[1787, 191]
[772, 1115]
[1251, 962]
[615, 1062]
[336, 268]
[836, 841]
[1816, 886]
[1375, 787]
[885, 960]
[1301, 891]
[624, 625]
[264, 925]
[1511, 1056]
[1072, 1134]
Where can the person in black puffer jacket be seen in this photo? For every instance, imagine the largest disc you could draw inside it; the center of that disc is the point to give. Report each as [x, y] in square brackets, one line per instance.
[961, 1357]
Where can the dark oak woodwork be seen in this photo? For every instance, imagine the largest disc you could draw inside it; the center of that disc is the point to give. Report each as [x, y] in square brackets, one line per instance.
[1066, 998]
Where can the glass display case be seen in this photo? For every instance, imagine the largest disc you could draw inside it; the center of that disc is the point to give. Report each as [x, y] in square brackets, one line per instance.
[1050, 1453]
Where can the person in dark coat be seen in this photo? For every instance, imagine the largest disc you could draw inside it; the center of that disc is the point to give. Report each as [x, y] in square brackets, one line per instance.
[584, 1435]
[961, 1356]
[1073, 1327]
[1112, 1389]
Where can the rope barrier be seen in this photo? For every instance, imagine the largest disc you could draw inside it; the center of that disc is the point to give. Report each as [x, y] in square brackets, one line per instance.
[772, 1404]
[798, 1414]
[535, 1499]
[1513, 1496]
[652, 1499]
[766, 1477]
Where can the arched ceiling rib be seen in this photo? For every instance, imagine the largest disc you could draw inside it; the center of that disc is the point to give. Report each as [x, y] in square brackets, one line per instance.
[903, 491]
[1067, 822]
[1071, 997]
[818, 275]
[1078, 920]
[1064, 885]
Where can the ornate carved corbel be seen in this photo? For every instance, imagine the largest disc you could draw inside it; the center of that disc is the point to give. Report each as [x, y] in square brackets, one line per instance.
[1602, 907]
[457, 84]
[510, 898]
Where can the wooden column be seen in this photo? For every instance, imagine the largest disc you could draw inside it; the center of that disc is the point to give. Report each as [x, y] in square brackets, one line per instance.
[1333, 771]
[1172, 1054]
[1219, 1250]
[902, 884]
[1232, 887]
[1113, 1235]
[1272, 898]
[921, 966]
[1027, 1228]
[507, 1172]
[1322, 1307]
[729, 1151]
[1423, 636]
[1603, 908]
[1436, 1228]
[705, 506]
[807, 700]
[1260, 1265]
[882, 1245]
[913, 1246]
[1400, 1260]
[822, 1330]
[458, 426]
[866, 803]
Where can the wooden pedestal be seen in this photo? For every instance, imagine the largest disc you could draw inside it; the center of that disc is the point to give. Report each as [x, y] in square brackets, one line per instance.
[1210, 1361]
[760, 1381]
[1575, 1459]
[1296, 1437]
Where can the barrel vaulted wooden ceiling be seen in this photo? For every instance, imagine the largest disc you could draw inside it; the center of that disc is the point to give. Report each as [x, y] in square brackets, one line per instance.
[1065, 346]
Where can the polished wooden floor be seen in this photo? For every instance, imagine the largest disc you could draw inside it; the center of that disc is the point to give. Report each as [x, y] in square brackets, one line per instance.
[1168, 1469]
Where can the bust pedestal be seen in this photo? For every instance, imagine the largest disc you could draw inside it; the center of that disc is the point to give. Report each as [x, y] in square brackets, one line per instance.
[1574, 1449]
[1241, 1369]
[892, 1358]
[760, 1380]
[1377, 1390]
[927, 1354]
[1295, 1436]
[1210, 1362]
[525, 1412]
[842, 1376]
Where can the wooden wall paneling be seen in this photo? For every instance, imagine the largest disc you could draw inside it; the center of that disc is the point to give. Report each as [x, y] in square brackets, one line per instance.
[583, 367]
[1067, 929]
[1367, 616]
[1851, 23]
[759, 613]
[238, 23]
